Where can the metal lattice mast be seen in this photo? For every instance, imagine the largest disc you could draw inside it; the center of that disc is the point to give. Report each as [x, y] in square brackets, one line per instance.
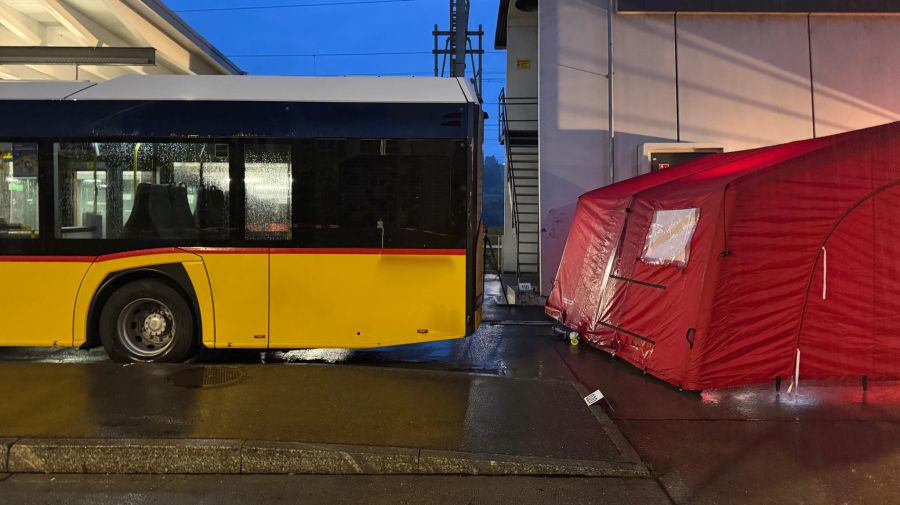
[458, 45]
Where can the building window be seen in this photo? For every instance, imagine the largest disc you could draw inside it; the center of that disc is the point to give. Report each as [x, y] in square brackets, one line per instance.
[268, 184]
[136, 191]
[669, 237]
[653, 157]
[19, 215]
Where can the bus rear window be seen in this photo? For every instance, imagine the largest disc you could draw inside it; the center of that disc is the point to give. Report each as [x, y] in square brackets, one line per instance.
[382, 193]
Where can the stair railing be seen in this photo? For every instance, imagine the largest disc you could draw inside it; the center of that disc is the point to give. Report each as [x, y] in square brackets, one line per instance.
[503, 104]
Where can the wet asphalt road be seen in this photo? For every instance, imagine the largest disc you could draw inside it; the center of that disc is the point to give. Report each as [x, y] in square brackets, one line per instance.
[489, 351]
[829, 443]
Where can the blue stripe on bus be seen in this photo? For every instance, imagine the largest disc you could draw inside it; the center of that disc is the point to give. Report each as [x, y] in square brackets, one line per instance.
[205, 119]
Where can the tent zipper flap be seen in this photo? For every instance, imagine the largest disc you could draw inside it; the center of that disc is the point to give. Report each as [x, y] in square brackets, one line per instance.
[607, 271]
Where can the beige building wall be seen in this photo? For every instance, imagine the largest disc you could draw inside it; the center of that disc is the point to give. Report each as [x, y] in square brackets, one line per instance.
[573, 120]
[730, 80]
[744, 80]
[856, 71]
[644, 88]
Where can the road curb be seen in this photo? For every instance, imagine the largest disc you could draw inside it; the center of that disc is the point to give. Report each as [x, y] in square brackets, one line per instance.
[462, 463]
[125, 456]
[215, 456]
[298, 458]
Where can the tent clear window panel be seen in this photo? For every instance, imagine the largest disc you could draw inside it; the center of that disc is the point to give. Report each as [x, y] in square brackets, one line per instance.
[669, 238]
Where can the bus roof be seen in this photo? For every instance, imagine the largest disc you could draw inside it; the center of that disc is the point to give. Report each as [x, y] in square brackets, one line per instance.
[248, 88]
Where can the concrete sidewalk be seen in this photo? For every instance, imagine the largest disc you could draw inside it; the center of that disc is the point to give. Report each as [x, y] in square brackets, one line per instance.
[108, 418]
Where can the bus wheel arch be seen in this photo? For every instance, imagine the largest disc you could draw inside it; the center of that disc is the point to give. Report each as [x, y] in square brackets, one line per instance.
[172, 275]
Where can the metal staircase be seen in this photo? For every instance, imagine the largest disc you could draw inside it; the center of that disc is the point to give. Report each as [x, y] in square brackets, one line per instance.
[520, 137]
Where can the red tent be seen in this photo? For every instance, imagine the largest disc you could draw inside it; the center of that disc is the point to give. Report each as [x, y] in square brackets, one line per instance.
[715, 273]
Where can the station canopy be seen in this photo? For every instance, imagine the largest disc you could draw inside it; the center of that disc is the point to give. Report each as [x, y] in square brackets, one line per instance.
[97, 40]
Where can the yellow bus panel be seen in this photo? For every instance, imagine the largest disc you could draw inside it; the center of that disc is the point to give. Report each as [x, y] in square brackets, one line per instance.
[239, 280]
[249, 298]
[39, 293]
[348, 299]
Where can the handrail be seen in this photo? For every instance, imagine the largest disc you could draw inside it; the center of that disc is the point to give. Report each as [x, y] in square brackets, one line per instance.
[503, 125]
[510, 173]
[501, 113]
[503, 104]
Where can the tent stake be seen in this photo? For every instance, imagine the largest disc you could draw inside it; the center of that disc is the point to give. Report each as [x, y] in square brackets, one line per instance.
[795, 379]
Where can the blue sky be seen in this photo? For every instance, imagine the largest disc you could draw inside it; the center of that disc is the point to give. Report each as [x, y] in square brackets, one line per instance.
[281, 41]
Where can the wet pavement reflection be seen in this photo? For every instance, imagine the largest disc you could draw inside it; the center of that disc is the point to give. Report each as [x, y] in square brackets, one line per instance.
[504, 345]
[309, 403]
[508, 388]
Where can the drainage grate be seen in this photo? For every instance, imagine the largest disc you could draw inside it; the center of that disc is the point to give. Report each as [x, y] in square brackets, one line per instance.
[206, 377]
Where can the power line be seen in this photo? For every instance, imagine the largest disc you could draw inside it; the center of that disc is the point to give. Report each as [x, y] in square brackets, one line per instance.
[351, 74]
[292, 6]
[319, 55]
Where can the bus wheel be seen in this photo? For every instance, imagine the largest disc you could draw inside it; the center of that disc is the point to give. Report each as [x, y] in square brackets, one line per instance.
[149, 321]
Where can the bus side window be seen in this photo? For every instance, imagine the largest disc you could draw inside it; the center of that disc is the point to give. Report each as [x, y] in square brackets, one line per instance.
[18, 190]
[141, 191]
[267, 183]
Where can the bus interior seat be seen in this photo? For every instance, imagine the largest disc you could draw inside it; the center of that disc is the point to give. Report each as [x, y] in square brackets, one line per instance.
[210, 214]
[160, 211]
[182, 218]
[162, 216]
[140, 224]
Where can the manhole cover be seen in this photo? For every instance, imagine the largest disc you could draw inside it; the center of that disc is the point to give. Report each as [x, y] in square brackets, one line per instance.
[206, 377]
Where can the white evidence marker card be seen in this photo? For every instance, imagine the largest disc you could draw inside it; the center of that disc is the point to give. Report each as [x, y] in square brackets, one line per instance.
[593, 398]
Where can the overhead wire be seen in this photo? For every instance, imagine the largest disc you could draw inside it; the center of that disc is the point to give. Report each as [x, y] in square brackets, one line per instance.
[319, 55]
[291, 6]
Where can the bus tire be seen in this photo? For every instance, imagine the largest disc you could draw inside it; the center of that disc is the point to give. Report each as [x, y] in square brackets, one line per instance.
[147, 321]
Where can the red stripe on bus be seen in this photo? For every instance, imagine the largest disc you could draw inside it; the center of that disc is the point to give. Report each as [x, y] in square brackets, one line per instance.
[141, 252]
[232, 250]
[408, 252]
[48, 259]
[227, 250]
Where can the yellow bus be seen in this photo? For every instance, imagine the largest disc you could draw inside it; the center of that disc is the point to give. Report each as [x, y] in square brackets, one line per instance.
[155, 215]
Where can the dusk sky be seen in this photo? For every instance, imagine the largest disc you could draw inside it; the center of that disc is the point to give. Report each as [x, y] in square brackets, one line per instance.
[327, 37]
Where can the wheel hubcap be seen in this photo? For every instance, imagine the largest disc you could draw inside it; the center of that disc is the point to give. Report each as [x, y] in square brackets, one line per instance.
[146, 327]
